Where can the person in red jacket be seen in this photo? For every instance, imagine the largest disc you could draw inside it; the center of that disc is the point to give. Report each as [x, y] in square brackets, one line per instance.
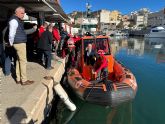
[42, 28]
[57, 37]
[101, 66]
[76, 38]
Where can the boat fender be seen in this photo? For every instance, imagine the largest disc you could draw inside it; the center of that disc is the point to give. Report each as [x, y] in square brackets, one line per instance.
[64, 97]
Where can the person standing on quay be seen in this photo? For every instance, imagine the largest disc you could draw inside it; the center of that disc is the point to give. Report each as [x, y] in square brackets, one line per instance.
[18, 39]
[57, 37]
[42, 29]
[45, 45]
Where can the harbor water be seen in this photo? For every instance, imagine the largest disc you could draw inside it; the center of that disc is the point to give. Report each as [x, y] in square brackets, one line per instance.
[146, 59]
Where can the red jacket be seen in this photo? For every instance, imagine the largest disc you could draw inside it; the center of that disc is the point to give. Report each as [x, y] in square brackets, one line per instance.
[56, 34]
[76, 39]
[103, 63]
[41, 30]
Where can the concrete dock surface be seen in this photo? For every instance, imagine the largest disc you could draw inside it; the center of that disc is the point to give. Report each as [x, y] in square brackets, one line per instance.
[21, 104]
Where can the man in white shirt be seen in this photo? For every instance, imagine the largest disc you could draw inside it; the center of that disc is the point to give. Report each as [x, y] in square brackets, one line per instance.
[18, 39]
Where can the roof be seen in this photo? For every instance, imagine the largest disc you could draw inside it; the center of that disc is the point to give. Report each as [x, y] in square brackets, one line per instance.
[33, 7]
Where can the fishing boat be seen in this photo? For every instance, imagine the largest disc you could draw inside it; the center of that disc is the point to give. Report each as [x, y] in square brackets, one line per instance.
[120, 85]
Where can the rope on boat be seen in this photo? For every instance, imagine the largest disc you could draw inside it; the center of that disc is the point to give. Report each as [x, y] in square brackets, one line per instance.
[94, 85]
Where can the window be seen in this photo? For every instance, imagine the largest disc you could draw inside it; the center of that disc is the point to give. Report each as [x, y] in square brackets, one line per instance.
[157, 30]
[88, 41]
[103, 44]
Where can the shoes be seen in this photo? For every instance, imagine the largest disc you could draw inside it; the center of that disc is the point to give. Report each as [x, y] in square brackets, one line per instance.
[48, 77]
[7, 75]
[18, 82]
[50, 68]
[28, 82]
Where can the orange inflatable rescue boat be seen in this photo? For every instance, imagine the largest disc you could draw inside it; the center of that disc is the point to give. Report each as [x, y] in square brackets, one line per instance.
[120, 85]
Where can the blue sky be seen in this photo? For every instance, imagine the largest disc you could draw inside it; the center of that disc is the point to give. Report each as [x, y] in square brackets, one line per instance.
[124, 6]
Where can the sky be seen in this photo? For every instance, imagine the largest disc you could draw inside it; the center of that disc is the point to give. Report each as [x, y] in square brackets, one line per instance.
[124, 6]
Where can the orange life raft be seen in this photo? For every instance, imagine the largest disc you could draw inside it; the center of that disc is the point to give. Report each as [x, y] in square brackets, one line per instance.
[120, 87]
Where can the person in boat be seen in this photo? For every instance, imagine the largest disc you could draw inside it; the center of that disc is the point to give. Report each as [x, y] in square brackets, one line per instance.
[101, 66]
[102, 45]
[90, 55]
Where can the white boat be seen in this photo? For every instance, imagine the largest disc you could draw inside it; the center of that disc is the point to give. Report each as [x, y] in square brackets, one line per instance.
[157, 32]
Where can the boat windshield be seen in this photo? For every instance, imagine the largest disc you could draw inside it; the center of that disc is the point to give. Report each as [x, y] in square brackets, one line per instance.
[103, 44]
[157, 30]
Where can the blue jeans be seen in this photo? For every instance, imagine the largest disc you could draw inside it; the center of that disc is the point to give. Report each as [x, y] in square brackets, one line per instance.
[9, 55]
[47, 55]
[2, 55]
[7, 65]
[40, 56]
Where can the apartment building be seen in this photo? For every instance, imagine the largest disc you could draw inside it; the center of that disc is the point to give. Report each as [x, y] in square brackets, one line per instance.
[156, 19]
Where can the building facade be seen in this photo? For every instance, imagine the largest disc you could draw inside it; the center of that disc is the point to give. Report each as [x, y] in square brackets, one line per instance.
[108, 20]
[125, 21]
[156, 19]
[104, 16]
[89, 25]
[104, 21]
[115, 18]
[140, 18]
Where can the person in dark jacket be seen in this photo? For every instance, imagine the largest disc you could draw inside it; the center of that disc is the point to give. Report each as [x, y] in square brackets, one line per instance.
[71, 52]
[64, 37]
[45, 45]
[63, 42]
[90, 55]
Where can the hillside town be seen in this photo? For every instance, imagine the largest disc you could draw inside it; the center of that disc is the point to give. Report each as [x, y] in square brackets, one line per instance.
[106, 21]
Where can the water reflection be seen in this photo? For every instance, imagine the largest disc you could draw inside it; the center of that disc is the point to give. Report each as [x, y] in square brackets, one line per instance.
[143, 58]
[120, 115]
[156, 43]
[93, 114]
[137, 46]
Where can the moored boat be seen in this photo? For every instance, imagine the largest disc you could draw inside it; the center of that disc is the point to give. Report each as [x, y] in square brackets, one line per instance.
[120, 85]
[157, 32]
